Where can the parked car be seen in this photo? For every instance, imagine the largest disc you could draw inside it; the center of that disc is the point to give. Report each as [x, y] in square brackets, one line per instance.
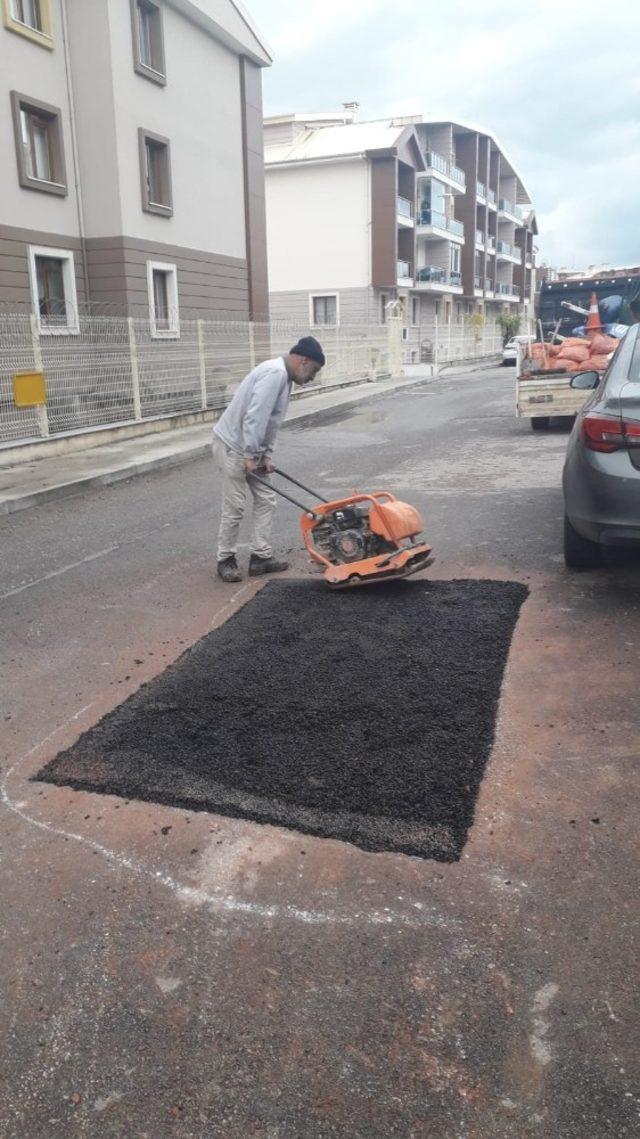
[601, 476]
[510, 350]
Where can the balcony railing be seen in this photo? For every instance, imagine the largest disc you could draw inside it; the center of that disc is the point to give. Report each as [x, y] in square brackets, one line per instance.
[435, 275]
[481, 190]
[477, 282]
[404, 270]
[507, 290]
[443, 166]
[488, 284]
[506, 248]
[491, 244]
[427, 216]
[437, 162]
[479, 237]
[491, 197]
[405, 207]
[505, 205]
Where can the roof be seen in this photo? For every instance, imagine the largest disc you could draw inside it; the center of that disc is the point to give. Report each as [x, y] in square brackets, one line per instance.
[342, 141]
[471, 129]
[228, 22]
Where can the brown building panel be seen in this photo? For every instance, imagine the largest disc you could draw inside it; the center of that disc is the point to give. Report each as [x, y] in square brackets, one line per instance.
[254, 189]
[384, 246]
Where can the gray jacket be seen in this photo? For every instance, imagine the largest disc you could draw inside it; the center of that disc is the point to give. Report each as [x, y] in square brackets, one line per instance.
[250, 423]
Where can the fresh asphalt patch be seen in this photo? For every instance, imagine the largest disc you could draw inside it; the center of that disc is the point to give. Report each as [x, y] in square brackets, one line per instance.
[365, 715]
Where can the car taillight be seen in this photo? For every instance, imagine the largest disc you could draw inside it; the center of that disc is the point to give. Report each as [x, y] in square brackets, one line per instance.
[608, 433]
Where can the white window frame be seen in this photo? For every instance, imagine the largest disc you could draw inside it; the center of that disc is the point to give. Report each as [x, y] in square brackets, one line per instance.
[72, 327]
[317, 296]
[173, 332]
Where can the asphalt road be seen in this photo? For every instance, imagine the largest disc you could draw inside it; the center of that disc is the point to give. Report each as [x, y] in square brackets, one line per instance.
[179, 974]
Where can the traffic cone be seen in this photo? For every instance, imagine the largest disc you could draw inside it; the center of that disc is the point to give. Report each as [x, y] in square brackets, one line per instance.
[593, 326]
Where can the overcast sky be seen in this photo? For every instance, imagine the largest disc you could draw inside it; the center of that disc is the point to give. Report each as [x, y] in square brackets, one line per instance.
[556, 81]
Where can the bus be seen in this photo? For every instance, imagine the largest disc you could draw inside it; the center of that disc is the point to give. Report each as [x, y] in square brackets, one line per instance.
[567, 302]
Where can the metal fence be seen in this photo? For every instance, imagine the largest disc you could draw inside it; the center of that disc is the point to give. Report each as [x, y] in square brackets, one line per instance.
[440, 342]
[113, 370]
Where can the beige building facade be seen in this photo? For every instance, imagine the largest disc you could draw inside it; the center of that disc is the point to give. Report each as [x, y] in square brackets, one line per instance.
[132, 178]
[431, 214]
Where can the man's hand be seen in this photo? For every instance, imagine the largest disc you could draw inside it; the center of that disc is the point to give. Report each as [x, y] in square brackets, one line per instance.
[250, 465]
[266, 465]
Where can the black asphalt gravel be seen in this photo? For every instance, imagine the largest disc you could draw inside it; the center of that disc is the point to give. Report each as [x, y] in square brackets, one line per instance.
[366, 716]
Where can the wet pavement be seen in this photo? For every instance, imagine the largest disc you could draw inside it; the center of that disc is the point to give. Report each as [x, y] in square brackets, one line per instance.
[176, 973]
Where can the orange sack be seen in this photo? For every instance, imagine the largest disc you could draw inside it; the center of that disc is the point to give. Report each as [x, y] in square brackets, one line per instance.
[573, 341]
[553, 349]
[597, 362]
[578, 352]
[601, 344]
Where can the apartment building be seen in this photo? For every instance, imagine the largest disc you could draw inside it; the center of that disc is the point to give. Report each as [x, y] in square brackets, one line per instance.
[362, 213]
[132, 178]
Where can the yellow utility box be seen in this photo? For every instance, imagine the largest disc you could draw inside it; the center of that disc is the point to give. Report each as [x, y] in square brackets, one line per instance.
[29, 389]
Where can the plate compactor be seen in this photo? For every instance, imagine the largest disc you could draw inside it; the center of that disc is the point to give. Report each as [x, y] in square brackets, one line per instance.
[362, 538]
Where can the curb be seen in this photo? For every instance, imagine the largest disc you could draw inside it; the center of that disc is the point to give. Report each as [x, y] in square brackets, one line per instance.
[199, 450]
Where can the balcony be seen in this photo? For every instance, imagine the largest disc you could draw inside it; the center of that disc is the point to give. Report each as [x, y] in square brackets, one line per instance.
[477, 282]
[506, 290]
[508, 208]
[431, 223]
[481, 191]
[507, 252]
[488, 285]
[434, 277]
[445, 170]
[480, 238]
[405, 274]
[491, 243]
[491, 199]
[404, 210]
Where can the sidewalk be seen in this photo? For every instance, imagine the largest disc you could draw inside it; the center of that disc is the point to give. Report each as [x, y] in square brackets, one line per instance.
[33, 483]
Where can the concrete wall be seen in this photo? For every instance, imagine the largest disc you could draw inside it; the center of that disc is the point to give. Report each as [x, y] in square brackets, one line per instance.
[39, 73]
[318, 227]
[356, 306]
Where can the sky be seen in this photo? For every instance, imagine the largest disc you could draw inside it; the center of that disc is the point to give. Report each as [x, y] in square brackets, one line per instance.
[557, 82]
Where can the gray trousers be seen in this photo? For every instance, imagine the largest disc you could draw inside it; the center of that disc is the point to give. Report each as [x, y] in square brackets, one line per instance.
[234, 486]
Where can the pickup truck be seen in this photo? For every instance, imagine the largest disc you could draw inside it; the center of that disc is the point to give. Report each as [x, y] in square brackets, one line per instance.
[541, 395]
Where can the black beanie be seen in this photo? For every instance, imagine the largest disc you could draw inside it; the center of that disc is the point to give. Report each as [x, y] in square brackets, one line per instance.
[308, 346]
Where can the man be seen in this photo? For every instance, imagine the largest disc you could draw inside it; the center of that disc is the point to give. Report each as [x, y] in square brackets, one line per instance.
[243, 442]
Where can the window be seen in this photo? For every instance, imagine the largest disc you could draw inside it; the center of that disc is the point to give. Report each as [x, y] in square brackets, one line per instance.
[384, 301]
[455, 258]
[162, 283]
[148, 42]
[38, 140]
[29, 18]
[415, 307]
[324, 310]
[155, 173]
[53, 290]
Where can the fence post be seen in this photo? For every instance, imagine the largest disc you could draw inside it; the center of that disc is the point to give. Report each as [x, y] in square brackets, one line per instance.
[436, 346]
[135, 376]
[203, 368]
[41, 410]
[252, 346]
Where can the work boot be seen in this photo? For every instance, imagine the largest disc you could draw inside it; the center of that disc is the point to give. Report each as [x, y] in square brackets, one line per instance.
[258, 565]
[228, 569]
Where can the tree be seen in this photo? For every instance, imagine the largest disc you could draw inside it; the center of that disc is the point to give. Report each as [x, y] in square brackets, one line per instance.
[509, 323]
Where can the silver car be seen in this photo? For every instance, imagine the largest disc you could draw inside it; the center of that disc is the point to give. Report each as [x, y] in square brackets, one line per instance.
[601, 476]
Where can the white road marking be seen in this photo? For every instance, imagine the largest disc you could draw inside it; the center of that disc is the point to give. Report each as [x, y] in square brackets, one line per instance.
[188, 894]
